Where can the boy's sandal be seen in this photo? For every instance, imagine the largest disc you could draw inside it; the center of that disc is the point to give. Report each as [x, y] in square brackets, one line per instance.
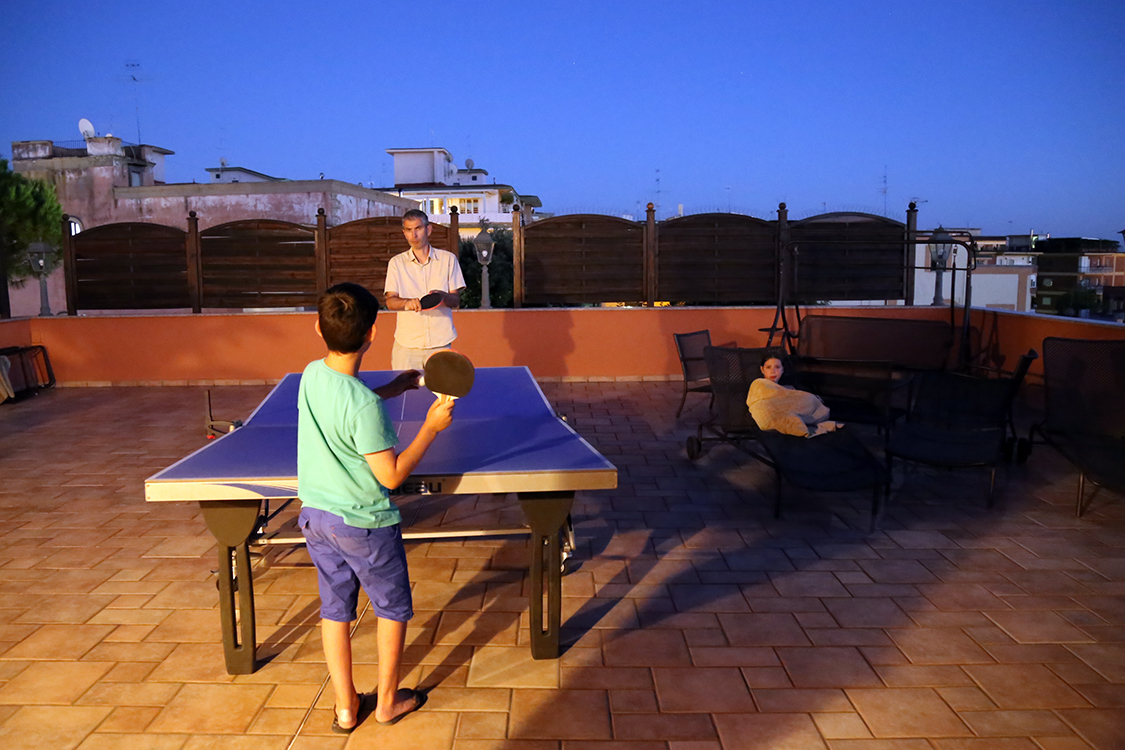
[359, 716]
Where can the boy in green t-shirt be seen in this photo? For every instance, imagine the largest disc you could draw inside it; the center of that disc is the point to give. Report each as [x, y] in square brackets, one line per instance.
[346, 462]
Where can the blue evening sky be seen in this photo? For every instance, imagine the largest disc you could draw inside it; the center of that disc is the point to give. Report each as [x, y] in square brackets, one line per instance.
[1003, 115]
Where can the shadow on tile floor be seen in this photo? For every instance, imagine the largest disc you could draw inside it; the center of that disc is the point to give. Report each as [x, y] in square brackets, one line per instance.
[693, 618]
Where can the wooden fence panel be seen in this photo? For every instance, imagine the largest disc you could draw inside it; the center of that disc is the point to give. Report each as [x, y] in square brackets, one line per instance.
[717, 259]
[583, 259]
[130, 266]
[848, 257]
[360, 250]
[258, 263]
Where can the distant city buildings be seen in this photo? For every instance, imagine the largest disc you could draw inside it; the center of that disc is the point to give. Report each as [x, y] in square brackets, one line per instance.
[1080, 273]
[102, 180]
[224, 174]
[1001, 280]
[429, 176]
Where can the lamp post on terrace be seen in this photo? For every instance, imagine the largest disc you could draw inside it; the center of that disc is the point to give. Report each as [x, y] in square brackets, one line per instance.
[483, 244]
[941, 250]
[38, 253]
[942, 245]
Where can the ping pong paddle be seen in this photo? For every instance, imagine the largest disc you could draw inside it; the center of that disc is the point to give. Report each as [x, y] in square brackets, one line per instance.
[430, 301]
[449, 374]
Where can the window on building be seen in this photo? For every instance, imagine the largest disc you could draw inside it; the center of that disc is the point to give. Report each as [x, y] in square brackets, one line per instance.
[136, 178]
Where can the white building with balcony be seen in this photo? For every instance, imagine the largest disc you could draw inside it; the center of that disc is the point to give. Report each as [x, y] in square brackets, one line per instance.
[1002, 280]
[429, 176]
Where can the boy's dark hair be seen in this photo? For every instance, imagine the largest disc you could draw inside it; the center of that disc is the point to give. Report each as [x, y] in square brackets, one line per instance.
[416, 214]
[346, 313]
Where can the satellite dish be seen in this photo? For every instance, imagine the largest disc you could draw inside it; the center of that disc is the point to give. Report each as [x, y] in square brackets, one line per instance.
[223, 162]
[468, 164]
[86, 128]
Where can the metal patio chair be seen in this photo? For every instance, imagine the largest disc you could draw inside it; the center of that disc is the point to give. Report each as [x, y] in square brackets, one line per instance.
[958, 421]
[730, 372]
[690, 347]
[1084, 384]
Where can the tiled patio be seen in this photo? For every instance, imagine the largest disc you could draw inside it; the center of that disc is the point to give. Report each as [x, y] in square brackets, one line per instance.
[694, 620]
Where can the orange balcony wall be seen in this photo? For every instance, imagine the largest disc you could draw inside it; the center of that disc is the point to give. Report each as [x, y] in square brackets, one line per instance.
[556, 343]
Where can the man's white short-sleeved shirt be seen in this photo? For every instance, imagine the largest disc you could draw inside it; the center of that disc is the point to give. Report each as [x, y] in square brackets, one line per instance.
[410, 279]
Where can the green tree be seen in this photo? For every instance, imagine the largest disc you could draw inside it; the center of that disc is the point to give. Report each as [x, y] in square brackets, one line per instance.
[501, 283]
[1078, 299]
[29, 212]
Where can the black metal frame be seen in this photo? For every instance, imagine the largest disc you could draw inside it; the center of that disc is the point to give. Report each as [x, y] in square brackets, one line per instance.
[1085, 410]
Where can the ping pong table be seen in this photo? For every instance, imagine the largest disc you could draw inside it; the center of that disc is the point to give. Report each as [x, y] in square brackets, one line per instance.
[505, 438]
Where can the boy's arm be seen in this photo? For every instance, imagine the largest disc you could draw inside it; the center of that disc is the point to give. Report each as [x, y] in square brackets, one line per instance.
[392, 470]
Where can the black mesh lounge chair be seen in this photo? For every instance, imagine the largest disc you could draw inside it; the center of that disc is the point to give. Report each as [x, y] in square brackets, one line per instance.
[833, 462]
[1084, 384]
[730, 371]
[690, 348]
[957, 421]
[836, 462]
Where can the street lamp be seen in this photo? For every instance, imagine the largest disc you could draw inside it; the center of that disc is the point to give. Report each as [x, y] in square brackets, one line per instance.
[483, 244]
[941, 250]
[38, 252]
[942, 245]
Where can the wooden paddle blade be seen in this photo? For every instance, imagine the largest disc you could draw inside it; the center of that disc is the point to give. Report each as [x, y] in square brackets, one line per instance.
[430, 301]
[450, 373]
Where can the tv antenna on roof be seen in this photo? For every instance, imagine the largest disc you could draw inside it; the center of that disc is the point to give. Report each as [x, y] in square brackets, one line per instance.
[884, 189]
[133, 75]
[86, 128]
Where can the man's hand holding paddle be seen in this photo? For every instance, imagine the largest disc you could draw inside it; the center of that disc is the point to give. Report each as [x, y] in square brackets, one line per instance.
[425, 302]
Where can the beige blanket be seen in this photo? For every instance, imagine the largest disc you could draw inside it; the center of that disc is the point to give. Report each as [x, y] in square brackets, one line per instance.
[787, 410]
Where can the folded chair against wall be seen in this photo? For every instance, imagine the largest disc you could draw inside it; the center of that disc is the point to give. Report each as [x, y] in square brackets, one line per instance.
[958, 422]
[835, 462]
[1084, 384]
[690, 348]
[24, 370]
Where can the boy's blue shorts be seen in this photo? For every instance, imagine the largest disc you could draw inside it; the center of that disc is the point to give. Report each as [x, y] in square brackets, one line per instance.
[347, 557]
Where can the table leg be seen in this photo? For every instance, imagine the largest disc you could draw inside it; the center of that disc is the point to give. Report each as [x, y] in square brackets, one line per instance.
[546, 513]
[232, 522]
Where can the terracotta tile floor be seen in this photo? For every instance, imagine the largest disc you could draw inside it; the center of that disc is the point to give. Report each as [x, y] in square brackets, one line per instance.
[693, 619]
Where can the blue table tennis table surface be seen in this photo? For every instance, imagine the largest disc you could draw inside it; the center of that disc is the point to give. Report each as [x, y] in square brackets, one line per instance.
[505, 437]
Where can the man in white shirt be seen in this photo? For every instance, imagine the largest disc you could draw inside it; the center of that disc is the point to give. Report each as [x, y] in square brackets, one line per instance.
[411, 275]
